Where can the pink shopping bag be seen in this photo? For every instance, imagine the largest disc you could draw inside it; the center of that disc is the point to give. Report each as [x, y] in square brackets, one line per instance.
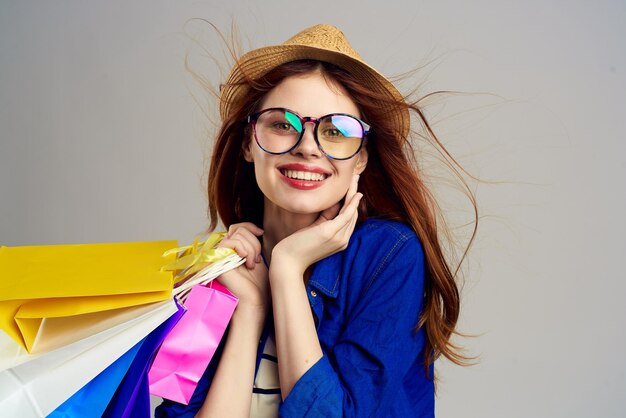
[189, 347]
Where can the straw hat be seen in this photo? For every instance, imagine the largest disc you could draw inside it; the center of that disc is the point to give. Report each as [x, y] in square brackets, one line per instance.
[323, 43]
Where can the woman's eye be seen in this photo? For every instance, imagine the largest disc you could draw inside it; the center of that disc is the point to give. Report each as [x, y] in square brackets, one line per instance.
[282, 126]
[332, 132]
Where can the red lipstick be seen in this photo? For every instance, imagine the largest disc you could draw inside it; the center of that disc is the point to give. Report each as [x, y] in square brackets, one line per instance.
[303, 184]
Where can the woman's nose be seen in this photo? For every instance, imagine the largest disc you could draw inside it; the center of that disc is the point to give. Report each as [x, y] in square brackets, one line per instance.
[308, 146]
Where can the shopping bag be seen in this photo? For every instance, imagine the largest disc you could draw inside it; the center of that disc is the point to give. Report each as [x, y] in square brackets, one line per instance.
[39, 285]
[132, 397]
[62, 332]
[188, 349]
[92, 399]
[37, 387]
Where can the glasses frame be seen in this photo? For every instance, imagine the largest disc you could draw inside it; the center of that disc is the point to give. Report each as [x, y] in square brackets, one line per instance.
[252, 119]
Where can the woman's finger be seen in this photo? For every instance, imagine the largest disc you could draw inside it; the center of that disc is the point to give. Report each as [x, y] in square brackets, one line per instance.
[243, 248]
[236, 244]
[328, 214]
[249, 237]
[355, 217]
[350, 209]
[248, 226]
[246, 235]
[250, 231]
[346, 221]
[351, 192]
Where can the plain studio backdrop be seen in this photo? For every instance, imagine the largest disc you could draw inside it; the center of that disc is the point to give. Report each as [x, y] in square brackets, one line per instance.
[104, 137]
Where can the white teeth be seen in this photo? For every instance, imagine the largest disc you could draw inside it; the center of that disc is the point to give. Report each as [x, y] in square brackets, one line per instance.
[304, 175]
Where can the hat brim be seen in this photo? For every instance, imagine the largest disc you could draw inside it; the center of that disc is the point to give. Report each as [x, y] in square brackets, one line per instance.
[255, 64]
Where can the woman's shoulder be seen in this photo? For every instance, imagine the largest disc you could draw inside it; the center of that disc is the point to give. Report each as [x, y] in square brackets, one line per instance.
[376, 243]
[381, 233]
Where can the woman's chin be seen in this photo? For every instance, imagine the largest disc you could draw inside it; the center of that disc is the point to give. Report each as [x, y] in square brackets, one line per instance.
[304, 211]
[307, 209]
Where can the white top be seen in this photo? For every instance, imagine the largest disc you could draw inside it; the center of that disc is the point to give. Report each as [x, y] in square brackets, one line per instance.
[266, 390]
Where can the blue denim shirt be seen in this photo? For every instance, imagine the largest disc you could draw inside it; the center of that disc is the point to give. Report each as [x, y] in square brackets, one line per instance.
[366, 302]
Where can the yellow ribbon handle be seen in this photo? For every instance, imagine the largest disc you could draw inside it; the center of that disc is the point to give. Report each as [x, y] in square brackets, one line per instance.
[193, 258]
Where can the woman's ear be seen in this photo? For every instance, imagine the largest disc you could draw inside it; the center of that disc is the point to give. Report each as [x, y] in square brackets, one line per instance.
[247, 152]
[361, 161]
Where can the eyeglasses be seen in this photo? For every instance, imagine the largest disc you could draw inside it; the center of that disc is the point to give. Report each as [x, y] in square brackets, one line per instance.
[339, 136]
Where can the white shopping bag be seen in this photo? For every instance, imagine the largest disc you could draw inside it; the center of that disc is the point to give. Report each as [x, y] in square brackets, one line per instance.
[36, 384]
[57, 333]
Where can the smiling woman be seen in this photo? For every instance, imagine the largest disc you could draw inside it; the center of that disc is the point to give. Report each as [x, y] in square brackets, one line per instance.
[345, 284]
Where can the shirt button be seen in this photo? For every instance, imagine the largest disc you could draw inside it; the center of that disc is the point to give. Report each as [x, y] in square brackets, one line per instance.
[313, 293]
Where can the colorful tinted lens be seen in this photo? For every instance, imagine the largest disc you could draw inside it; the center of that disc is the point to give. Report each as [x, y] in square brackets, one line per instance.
[278, 130]
[294, 120]
[340, 136]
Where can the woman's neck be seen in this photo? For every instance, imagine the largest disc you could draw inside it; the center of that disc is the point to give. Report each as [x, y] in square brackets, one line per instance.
[279, 224]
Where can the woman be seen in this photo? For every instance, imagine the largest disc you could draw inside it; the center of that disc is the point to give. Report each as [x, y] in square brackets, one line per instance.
[345, 284]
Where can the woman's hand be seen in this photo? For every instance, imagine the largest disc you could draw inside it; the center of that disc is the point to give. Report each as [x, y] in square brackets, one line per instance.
[249, 282]
[329, 234]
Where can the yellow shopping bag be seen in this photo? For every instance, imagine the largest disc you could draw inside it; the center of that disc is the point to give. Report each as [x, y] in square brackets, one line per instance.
[38, 283]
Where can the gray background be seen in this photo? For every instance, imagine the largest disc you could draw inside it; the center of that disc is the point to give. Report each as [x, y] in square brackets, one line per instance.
[103, 137]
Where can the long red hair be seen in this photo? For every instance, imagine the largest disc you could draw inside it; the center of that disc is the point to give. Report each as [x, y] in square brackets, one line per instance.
[391, 184]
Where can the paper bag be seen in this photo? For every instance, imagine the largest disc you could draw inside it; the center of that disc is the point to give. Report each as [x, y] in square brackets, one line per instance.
[188, 349]
[42, 283]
